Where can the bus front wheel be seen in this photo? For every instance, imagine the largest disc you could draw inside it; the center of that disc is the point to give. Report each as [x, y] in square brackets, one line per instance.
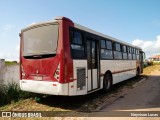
[107, 82]
[137, 72]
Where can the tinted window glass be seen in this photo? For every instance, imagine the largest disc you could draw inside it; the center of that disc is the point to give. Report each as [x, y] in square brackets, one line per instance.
[128, 49]
[103, 44]
[117, 47]
[117, 55]
[124, 56]
[129, 56]
[109, 45]
[106, 54]
[124, 49]
[77, 51]
[77, 38]
[77, 46]
[134, 51]
[134, 56]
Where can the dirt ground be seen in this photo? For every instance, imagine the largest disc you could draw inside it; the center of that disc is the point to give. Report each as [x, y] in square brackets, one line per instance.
[143, 97]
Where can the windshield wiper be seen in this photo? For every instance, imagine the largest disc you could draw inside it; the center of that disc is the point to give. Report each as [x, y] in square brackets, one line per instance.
[39, 56]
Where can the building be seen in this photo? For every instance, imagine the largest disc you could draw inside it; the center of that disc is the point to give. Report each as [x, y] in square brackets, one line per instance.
[155, 58]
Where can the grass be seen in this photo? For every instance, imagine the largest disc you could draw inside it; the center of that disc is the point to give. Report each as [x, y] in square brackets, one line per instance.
[11, 63]
[156, 63]
[150, 69]
[11, 93]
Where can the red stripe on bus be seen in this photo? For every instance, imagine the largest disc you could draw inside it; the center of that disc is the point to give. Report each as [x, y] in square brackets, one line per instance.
[122, 71]
[115, 72]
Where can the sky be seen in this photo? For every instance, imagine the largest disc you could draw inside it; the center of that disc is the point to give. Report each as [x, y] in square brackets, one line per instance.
[133, 21]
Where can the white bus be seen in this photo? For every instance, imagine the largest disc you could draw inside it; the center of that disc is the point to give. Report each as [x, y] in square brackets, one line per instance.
[61, 57]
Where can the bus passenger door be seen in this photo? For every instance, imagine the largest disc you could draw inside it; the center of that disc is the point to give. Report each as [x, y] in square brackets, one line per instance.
[93, 64]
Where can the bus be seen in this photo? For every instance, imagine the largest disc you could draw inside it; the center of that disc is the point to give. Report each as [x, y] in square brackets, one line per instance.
[60, 57]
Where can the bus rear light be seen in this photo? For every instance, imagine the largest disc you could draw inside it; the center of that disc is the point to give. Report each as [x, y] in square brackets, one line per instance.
[23, 73]
[57, 73]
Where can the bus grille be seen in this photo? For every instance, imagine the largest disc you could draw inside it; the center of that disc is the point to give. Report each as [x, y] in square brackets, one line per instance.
[81, 78]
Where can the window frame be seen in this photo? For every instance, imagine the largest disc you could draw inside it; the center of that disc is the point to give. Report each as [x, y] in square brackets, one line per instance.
[106, 49]
[134, 53]
[116, 43]
[115, 50]
[124, 52]
[71, 36]
[129, 51]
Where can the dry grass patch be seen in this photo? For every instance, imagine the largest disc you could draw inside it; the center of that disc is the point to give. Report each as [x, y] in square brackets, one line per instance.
[149, 69]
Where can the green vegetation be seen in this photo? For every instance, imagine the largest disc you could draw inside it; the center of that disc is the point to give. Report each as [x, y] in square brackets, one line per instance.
[156, 63]
[145, 65]
[11, 93]
[11, 63]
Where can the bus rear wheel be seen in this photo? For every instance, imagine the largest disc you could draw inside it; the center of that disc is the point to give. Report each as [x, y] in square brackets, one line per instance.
[107, 82]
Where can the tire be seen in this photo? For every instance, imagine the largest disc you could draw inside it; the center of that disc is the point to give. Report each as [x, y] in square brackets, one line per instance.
[137, 72]
[107, 82]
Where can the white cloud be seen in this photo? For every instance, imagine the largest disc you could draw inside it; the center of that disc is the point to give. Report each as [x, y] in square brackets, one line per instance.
[150, 47]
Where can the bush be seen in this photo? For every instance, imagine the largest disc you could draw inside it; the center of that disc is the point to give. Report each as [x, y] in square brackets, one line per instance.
[145, 65]
[11, 93]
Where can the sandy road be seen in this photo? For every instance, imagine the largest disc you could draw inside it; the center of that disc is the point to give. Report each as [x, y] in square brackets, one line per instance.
[144, 97]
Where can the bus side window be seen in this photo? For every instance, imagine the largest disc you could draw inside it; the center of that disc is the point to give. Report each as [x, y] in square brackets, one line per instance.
[124, 52]
[134, 54]
[137, 54]
[77, 45]
[129, 53]
[117, 51]
[106, 49]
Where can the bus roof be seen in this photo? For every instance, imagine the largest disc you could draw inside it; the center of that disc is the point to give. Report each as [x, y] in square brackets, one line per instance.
[39, 24]
[79, 27]
[103, 35]
[45, 22]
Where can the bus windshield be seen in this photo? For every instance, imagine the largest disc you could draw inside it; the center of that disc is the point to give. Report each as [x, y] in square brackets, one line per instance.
[40, 40]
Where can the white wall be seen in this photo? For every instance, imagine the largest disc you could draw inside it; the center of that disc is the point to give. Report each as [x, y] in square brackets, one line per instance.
[9, 73]
[2, 65]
